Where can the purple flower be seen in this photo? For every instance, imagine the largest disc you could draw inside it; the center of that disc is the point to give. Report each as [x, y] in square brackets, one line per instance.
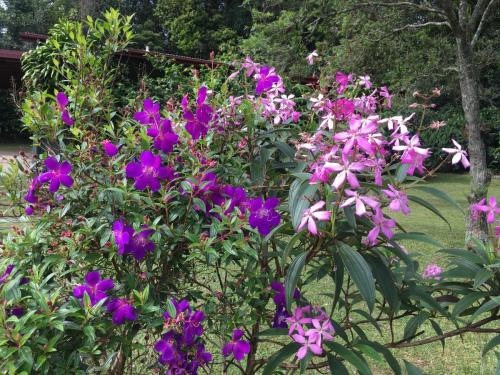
[280, 317]
[109, 148]
[95, 287]
[16, 311]
[148, 171]
[121, 310]
[432, 271]
[263, 215]
[62, 102]
[6, 273]
[58, 174]
[140, 244]
[237, 347]
[266, 78]
[279, 293]
[29, 210]
[197, 123]
[122, 234]
[181, 348]
[163, 135]
[238, 197]
[150, 114]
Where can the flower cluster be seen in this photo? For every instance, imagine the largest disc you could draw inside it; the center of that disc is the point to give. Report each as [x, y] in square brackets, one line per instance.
[491, 210]
[310, 326]
[181, 348]
[129, 241]
[148, 172]
[432, 271]
[57, 174]
[96, 289]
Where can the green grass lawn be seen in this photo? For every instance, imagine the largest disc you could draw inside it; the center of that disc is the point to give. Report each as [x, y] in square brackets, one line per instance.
[462, 355]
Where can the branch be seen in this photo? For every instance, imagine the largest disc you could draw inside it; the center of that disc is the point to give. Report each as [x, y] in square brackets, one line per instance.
[425, 6]
[418, 25]
[482, 22]
[449, 13]
[478, 13]
[470, 328]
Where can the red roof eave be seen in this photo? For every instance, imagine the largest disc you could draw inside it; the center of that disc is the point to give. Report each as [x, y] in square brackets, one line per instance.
[8, 54]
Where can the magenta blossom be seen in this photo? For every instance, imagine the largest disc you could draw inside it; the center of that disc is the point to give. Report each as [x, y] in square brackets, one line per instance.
[6, 273]
[121, 310]
[266, 78]
[311, 214]
[342, 80]
[58, 173]
[62, 102]
[432, 271]
[237, 347]
[459, 155]
[489, 209]
[197, 123]
[109, 148]
[383, 225]
[164, 137]
[399, 199]
[150, 113]
[413, 154]
[263, 215]
[122, 234]
[148, 171]
[95, 287]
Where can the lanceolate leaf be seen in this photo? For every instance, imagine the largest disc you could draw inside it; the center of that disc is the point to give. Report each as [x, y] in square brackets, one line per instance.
[350, 356]
[391, 360]
[412, 369]
[292, 278]
[279, 357]
[440, 194]
[429, 206]
[360, 273]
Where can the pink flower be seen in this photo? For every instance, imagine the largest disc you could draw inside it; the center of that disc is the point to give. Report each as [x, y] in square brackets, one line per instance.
[321, 331]
[399, 200]
[359, 201]
[437, 124]
[365, 81]
[432, 271]
[307, 344]
[357, 135]
[346, 172]
[381, 225]
[311, 57]
[459, 154]
[413, 154]
[489, 209]
[311, 214]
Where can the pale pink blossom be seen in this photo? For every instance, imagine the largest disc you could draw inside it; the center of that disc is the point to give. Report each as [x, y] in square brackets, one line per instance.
[399, 200]
[383, 225]
[459, 155]
[311, 214]
[346, 171]
[365, 81]
[311, 57]
[359, 201]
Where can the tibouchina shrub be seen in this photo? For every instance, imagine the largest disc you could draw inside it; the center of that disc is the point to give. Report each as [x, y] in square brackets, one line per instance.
[245, 230]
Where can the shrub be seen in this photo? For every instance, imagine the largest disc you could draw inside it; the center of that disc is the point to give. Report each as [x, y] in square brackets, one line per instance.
[197, 236]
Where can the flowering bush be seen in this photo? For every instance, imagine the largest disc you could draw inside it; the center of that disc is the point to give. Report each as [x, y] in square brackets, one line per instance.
[174, 240]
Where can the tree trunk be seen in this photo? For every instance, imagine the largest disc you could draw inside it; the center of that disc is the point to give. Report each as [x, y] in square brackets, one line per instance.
[480, 176]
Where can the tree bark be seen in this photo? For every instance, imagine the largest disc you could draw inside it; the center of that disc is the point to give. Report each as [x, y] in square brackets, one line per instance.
[477, 228]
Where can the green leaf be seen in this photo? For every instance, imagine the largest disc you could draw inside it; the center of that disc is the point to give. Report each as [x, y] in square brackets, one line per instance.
[440, 195]
[481, 277]
[389, 357]
[466, 301]
[292, 278]
[349, 356]
[360, 272]
[171, 309]
[281, 355]
[412, 369]
[301, 193]
[416, 236]
[26, 355]
[438, 331]
[336, 366]
[338, 278]
[402, 172]
[495, 341]
[429, 206]
[413, 324]
[274, 332]
[385, 280]
[491, 304]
